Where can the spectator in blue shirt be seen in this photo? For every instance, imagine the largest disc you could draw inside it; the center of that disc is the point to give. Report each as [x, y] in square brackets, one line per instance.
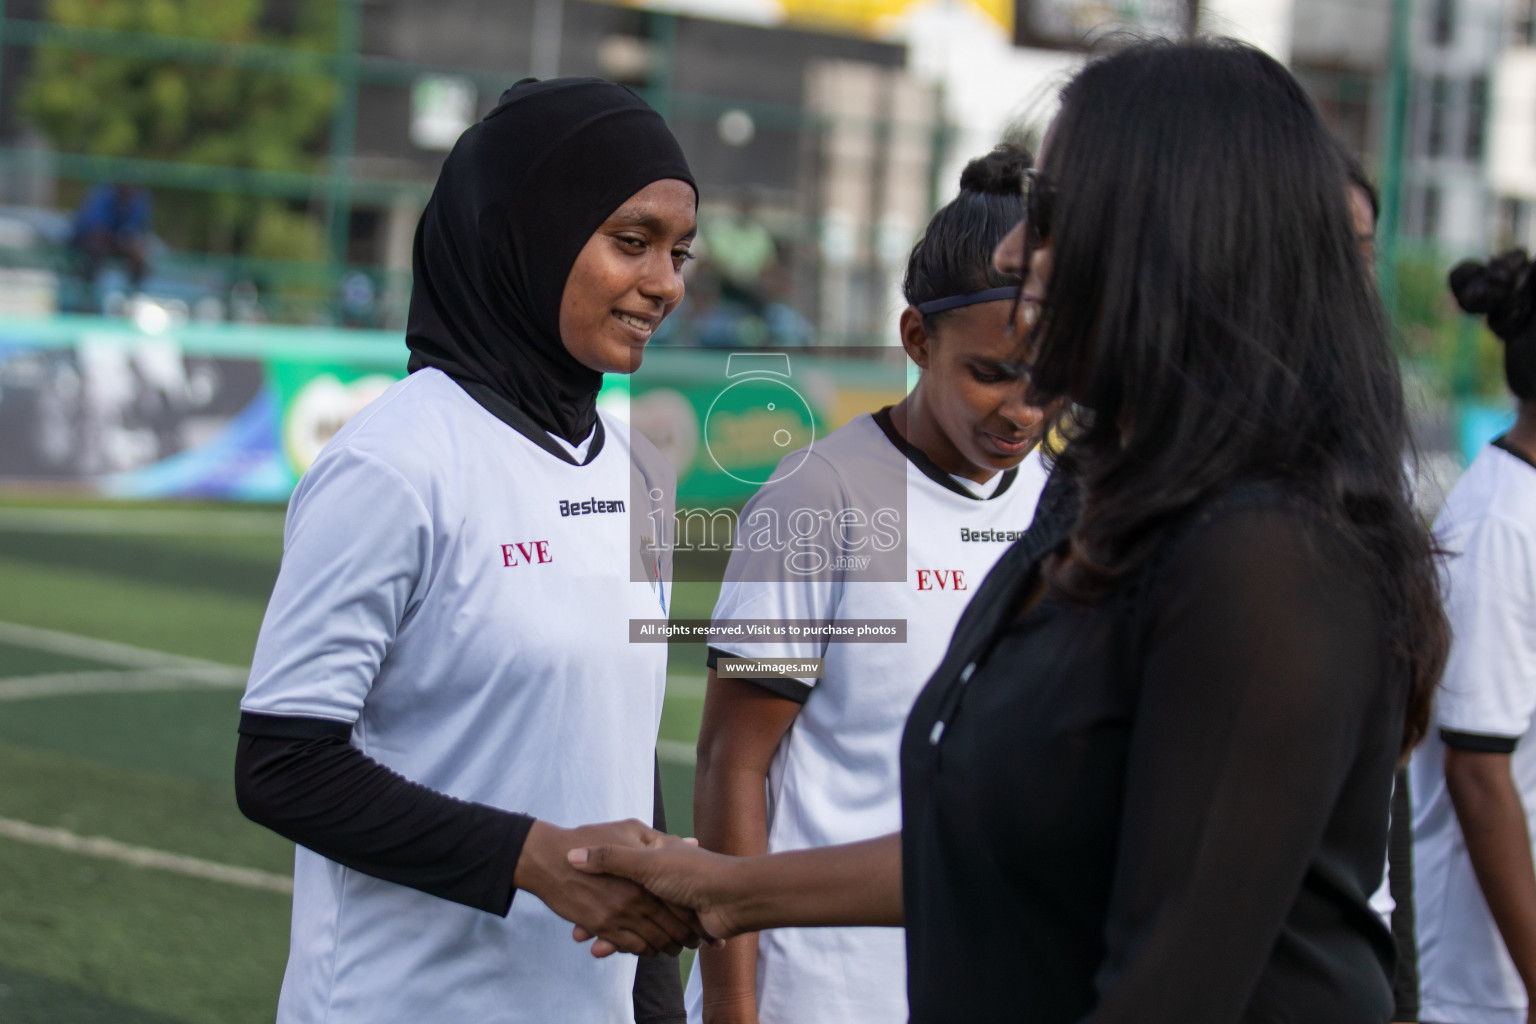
[113, 223]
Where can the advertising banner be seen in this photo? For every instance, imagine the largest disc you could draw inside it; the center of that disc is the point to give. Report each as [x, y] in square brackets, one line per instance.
[238, 412]
[862, 17]
[218, 412]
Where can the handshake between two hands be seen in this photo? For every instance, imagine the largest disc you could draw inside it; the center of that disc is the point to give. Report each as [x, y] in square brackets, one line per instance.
[632, 888]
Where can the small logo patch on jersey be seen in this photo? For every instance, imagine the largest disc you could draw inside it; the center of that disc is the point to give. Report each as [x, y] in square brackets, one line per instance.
[525, 552]
[941, 579]
[650, 557]
[589, 507]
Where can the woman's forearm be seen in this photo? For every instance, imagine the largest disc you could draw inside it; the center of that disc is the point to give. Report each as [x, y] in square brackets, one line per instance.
[852, 885]
[855, 884]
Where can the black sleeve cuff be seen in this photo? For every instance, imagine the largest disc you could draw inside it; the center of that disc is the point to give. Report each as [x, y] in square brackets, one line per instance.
[789, 689]
[290, 727]
[1479, 743]
[499, 898]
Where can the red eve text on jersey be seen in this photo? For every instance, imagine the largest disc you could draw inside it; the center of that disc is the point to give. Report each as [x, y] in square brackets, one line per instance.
[941, 579]
[525, 552]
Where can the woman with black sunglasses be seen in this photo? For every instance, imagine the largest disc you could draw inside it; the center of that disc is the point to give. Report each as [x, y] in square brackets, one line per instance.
[1149, 781]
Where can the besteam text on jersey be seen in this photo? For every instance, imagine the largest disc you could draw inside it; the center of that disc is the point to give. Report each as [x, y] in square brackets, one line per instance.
[968, 535]
[589, 506]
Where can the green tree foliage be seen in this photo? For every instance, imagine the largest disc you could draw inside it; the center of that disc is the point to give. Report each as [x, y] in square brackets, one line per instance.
[1459, 352]
[128, 106]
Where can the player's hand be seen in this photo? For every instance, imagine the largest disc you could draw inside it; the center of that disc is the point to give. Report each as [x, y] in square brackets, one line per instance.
[619, 912]
[674, 869]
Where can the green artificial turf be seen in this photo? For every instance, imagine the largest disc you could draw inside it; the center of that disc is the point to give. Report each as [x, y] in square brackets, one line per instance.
[91, 941]
[221, 566]
[188, 733]
[169, 948]
[144, 808]
[27, 998]
[24, 661]
[189, 620]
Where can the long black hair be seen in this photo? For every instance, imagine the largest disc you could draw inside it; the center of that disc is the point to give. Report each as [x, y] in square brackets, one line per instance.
[1505, 289]
[954, 256]
[1208, 307]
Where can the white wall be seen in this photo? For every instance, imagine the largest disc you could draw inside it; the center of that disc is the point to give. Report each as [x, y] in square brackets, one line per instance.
[1512, 125]
[1349, 34]
[1264, 23]
[988, 83]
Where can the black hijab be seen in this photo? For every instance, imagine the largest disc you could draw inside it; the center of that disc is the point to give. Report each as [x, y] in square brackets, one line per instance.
[518, 197]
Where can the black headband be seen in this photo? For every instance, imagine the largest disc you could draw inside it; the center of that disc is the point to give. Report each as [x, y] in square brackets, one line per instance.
[969, 299]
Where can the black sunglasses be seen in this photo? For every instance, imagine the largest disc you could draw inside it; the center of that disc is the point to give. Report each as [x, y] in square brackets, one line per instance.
[1039, 198]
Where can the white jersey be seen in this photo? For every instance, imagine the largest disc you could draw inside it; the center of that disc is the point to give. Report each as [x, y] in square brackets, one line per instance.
[439, 594]
[835, 777]
[1486, 702]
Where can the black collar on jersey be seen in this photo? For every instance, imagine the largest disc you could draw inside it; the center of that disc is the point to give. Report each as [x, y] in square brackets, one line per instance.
[514, 417]
[920, 459]
[517, 199]
[1502, 442]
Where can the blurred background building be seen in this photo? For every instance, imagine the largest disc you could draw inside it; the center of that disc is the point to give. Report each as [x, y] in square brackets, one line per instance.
[290, 144]
[182, 171]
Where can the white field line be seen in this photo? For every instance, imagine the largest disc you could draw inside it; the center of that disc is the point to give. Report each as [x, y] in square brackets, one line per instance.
[169, 672]
[57, 684]
[143, 857]
[165, 522]
[69, 644]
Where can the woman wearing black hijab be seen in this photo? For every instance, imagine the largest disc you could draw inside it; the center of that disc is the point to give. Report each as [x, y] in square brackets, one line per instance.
[443, 687]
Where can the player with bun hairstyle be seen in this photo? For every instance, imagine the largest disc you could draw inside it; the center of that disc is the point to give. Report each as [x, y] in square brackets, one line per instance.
[1149, 781]
[787, 764]
[1504, 290]
[1474, 780]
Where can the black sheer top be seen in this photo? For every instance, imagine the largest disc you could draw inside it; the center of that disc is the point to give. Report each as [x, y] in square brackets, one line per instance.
[1169, 807]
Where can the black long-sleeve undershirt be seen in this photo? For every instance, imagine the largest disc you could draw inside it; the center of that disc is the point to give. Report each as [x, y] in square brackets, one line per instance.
[303, 779]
